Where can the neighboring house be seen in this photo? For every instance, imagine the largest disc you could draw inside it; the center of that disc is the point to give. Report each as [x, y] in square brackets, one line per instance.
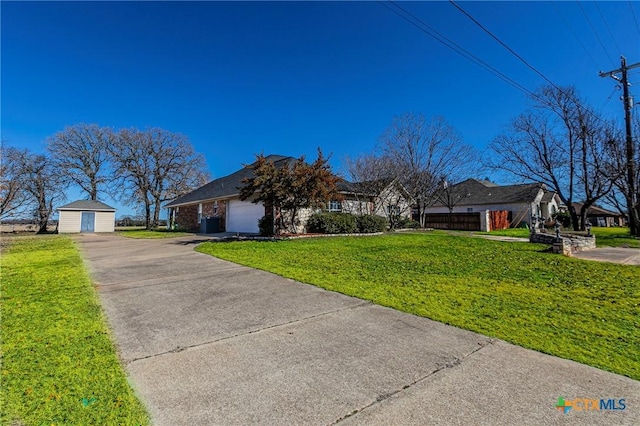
[86, 216]
[380, 198]
[218, 203]
[521, 201]
[598, 216]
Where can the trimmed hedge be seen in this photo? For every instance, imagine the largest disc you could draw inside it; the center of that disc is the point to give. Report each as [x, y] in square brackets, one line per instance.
[368, 224]
[345, 223]
[408, 223]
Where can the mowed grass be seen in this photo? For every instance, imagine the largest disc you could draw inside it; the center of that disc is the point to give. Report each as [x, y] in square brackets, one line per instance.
[59, 365]
[585, 311]
[152, 234]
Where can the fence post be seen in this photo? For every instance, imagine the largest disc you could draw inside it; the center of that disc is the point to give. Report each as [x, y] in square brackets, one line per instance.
[485, 224]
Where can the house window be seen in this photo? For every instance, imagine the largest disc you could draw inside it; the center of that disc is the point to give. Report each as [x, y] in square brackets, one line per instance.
[335, 206]
[393, 209]
[199, 212]
[215, 208]
[469, 209]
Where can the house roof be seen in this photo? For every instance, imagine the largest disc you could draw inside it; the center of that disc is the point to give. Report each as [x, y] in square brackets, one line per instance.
[596, 211]
[474, 192]
[87, 205]
[362, 188]
[226, 186]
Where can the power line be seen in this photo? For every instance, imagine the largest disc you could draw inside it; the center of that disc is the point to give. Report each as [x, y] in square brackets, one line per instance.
[503, 44]
[606, 102]
[595, 32]
[607, 27]
[422, 26]
[634, 16]
[470, 56]
[553, 3]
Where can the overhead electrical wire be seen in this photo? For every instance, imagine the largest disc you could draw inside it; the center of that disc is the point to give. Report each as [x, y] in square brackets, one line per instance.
[606, 102]
[634, 16]
[465, 53]
[553, 3]
[503, 44]
[422, 26]
[607, 27]
[595, 32]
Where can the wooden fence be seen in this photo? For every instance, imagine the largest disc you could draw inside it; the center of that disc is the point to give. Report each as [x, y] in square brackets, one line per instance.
[457, 221]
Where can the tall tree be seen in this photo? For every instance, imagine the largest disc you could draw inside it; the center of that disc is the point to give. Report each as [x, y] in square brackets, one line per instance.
[82, 152]
[42, 181]
[290, 187]
[562, 144]
[155, 166]
[422, 152]
[13, 196]
[372, 176]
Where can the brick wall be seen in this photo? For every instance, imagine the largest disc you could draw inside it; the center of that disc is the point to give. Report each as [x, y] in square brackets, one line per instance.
[209, 210]
[187, 217]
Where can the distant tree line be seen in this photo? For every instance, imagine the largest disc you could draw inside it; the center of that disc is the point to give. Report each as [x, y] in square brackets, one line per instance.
[141, 168]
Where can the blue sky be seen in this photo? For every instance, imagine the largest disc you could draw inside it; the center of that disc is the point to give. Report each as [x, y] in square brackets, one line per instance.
[239, 78]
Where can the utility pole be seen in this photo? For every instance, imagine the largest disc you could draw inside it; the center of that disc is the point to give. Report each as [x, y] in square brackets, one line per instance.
[632, 195]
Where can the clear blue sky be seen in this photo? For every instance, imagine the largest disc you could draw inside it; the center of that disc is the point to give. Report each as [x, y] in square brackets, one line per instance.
[239, 78]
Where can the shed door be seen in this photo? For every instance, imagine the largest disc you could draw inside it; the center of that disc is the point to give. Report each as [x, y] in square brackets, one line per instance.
[88, 222]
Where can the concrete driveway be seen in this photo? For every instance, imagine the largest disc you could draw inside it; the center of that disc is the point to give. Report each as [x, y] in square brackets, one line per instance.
[208, 342]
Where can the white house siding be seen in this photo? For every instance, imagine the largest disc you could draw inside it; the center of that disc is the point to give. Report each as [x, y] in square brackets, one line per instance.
[105, 222]
[69, 221]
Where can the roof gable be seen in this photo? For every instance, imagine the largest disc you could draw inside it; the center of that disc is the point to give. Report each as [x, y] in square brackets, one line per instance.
[87, 205]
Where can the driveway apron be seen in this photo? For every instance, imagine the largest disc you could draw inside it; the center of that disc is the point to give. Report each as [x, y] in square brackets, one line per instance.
[209, 342]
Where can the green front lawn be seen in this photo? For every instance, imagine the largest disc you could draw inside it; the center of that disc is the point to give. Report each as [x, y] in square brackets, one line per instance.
[152, 234]
[580, 310]
[59, 365]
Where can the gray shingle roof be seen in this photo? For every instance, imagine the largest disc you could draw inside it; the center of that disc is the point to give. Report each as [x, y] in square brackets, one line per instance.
[473, 192]
[87, 205]
[596, 211]
[227, 186]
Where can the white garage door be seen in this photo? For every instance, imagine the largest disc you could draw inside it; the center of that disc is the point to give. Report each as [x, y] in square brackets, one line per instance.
[243, 216]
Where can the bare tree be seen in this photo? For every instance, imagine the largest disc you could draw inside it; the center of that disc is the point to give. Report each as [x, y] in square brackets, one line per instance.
[372, 176]
[81, 151]
[562, 144]
[424, 152]
[41, 180]
[13, 196]
[155, 166]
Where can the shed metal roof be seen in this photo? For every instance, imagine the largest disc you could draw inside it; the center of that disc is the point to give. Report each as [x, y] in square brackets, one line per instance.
[87, 205]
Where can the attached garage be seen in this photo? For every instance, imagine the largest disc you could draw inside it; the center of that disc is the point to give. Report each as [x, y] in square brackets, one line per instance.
[86, 216]
[243, 216]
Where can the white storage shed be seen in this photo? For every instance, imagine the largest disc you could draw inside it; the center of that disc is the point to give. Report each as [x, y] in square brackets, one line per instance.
[86, 216]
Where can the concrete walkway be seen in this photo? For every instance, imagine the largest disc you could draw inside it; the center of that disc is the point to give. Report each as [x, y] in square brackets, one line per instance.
[208, 342]
[625, 256]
